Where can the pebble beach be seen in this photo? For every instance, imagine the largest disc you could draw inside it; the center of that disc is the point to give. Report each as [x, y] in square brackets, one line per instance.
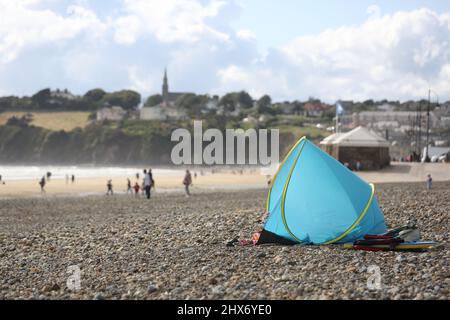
[173, 247]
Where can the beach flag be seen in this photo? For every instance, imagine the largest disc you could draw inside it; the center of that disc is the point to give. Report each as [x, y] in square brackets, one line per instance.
[314, 199]
[339, 109]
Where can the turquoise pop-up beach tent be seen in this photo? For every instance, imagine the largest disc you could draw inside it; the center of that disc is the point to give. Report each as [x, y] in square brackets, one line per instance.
[314, 199]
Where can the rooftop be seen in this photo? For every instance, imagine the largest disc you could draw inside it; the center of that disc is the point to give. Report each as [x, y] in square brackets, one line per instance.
[358, 137]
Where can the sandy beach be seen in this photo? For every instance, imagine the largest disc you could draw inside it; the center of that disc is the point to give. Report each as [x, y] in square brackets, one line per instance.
[225, 180]
[97, 186]
[173, 247]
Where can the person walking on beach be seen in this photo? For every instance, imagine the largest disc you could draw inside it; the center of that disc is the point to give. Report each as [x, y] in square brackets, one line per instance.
[137, 188]
[429, 182]
[42, 184]
[110, 188]
[187, 181]
[152, 181]
[129, 188]
[147, 183]
[73, 178]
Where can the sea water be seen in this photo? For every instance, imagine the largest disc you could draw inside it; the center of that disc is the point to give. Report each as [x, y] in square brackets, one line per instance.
[60, 172]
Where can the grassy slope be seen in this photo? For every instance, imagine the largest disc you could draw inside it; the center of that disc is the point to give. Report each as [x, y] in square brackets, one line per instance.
[311, 132]
[54, 121]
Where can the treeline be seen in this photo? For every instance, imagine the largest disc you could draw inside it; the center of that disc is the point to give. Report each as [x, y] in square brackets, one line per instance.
[63, 100]
[195, 105]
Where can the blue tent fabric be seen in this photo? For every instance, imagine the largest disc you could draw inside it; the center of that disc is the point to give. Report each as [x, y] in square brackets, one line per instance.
[314, 199]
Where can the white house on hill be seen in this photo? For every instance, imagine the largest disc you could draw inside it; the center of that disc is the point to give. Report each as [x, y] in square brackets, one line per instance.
[111, 114]
[163, 111]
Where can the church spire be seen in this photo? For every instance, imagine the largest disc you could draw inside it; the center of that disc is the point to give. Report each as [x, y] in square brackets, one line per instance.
[165, 87]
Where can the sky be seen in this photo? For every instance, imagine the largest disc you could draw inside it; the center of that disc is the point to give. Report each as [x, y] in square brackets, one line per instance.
[289, 49]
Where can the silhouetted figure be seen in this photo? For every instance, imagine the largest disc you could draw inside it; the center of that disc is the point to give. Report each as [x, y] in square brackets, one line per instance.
[147, 184]
[187, 181]
[152, 181]
[73, 178]
[429, 182]
[129, 188]
[42, 184]
[109, 186]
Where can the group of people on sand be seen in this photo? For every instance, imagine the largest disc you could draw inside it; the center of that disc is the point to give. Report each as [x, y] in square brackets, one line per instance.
[148, 183]
[71, 178]
[46, 178]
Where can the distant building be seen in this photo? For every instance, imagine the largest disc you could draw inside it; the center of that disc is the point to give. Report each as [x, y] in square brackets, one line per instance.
[250, 119]
[65, 94]
[386, 107]
[385, 119]
[443, 112]
[286, 108]
[314, 109]
[163, 112]
[222, 110]
[167, 109]
[170, 97]
[111, 114]
[359, 145]
[445, 121]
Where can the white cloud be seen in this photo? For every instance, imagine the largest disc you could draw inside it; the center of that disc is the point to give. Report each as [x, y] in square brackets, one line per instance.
[21, 26]
[258, 83]
[138, 81]
[169, 21]
[128, 29]
[374, 11]
[246, 34]
[394, 56]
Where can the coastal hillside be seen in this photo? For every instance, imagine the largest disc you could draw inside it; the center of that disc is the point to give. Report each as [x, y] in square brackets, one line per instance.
[95, 144]
[130, 142]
